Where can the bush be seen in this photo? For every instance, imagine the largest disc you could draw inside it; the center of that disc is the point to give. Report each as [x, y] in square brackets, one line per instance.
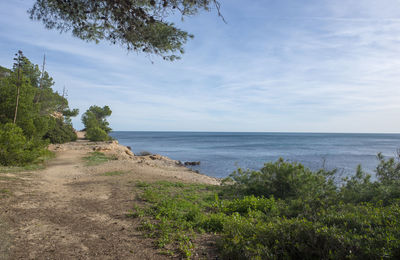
[15, 149]
[388, 171]
[340, 232]
[359, 188]
[283, 211]
[60, 132]
[247, 204]
[97, 134]
[179, 212]
[282, 180]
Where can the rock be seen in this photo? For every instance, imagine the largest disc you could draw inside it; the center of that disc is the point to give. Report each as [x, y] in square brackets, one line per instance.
[179, 163]
[192, 163]
[154, 157]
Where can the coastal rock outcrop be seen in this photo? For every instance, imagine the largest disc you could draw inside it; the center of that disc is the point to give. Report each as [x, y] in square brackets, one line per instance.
[115, 149]
[160, 164]
[192, 163]
[112, 148]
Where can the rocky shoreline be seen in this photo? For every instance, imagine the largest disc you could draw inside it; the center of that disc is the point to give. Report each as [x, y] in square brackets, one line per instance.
[125, 156]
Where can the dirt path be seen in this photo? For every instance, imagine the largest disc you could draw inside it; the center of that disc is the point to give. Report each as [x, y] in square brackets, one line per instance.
[73, 211]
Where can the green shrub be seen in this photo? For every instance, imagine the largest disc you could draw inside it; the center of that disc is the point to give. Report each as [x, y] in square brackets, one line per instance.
[359, 188]
[60, 132]
[340, 232]
[388, 171]
[212, 222]
[282, 180]
[178, 211]
[15, 149]
[96, 134]
[310, 218]
[313, 219]
[247, 204]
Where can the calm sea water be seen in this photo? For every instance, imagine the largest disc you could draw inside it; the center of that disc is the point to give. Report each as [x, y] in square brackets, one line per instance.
[221, 153]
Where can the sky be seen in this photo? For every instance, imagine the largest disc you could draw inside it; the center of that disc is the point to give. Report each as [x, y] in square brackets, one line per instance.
[274, 66]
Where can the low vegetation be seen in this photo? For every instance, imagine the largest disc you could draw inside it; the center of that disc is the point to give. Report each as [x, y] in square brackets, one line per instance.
[4, 193]
[174, 212]
[60, 132]
[113, 173]
[282, 211]
[26, 168]
[97, 158]
[38, 164]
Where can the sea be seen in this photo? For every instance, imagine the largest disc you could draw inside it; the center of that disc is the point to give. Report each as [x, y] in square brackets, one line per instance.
[221, 153]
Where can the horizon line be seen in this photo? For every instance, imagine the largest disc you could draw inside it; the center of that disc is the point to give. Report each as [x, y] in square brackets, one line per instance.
[265, 132]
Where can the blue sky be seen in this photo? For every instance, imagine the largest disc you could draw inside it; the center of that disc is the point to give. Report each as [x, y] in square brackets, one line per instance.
[276, 66]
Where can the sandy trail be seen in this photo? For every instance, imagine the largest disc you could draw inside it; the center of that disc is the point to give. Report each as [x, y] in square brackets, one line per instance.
[64, 215]
[72, 211]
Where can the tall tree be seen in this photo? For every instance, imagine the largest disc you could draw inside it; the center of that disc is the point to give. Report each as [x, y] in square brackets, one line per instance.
[19, 59]
[19, 104]
[138, 25]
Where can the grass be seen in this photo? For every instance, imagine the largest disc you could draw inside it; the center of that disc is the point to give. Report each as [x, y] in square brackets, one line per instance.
[26, 168]
[113, 173]
[47, 155]
[4, 193]
[175, 213]
[39, 164]
[97, 158]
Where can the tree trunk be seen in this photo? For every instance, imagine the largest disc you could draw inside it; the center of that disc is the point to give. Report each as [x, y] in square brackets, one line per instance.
[18, 87]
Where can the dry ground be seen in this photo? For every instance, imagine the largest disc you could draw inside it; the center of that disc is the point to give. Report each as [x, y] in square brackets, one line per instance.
[73, 211]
